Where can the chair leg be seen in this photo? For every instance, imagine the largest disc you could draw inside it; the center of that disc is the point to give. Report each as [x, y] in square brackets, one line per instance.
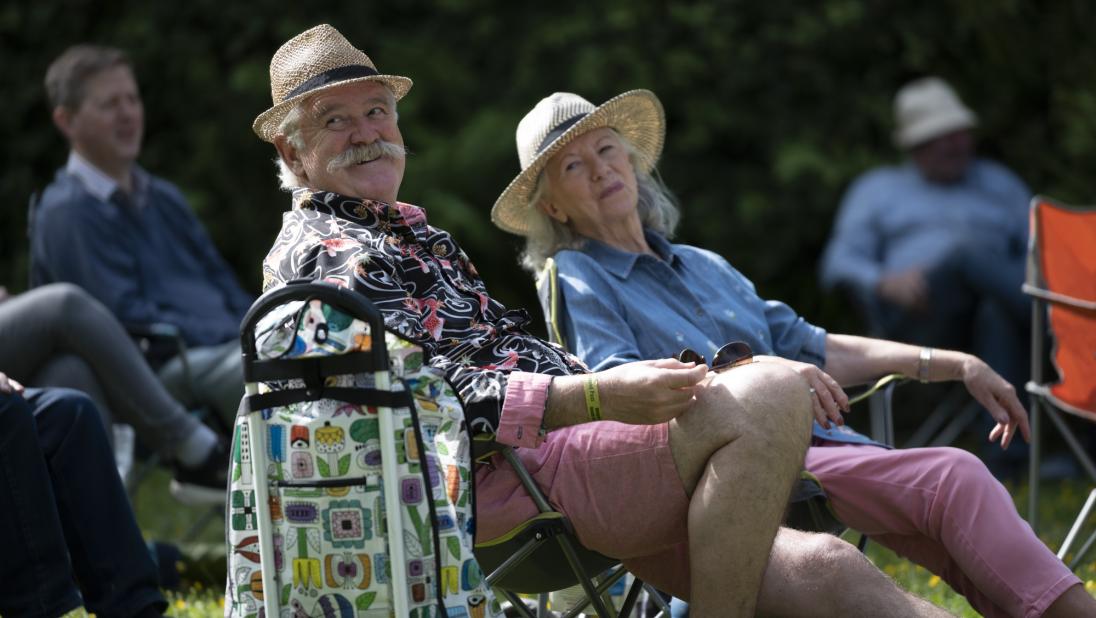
[1074, 444]
[1077, 523]
[1035, 456]
[592, 594]
[1083, 552]
[663, 606]
[631, 597]
[517, 603]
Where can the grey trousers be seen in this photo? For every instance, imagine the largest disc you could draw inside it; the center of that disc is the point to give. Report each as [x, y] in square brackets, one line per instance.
[58, 335]
[216, 379]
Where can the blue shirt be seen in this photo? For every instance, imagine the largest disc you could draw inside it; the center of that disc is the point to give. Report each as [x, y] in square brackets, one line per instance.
[891, 220]
[622, 306]
[630, 306]
[147, 258]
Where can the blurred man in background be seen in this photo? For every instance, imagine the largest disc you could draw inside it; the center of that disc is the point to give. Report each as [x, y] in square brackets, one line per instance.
[129, 237]
[933, 250]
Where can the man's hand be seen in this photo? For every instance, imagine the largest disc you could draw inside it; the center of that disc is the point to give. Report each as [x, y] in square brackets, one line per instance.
[828, 399]
[648, 392]
[9, 385]
[907, 289]
[998, 397]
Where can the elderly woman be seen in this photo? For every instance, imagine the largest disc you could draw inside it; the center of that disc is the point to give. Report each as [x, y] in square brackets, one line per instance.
[587, 196]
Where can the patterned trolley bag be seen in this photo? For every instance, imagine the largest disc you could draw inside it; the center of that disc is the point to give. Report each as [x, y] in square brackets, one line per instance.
[339, 415]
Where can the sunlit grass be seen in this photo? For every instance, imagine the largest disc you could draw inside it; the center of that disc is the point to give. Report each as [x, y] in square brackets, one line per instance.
[203, 571]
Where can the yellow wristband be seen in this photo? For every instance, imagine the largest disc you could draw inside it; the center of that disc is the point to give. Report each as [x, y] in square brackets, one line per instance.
[593, 398]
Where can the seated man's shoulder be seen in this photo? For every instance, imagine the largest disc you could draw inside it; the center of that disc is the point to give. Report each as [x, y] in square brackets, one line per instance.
[993, 169]
[65, 200]
[65, 191]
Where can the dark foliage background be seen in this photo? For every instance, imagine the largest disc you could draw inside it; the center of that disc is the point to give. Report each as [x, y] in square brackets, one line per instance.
[773, 107]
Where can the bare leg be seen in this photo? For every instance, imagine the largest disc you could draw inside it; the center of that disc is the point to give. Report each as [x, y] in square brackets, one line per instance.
[812, 574]
[1075, 601]
[738, 451]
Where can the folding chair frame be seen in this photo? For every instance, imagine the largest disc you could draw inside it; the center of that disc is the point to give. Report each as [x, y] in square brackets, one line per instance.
[1043, 402]
[558, 528]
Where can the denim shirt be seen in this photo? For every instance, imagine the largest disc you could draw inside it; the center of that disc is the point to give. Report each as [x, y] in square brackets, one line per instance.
[623, 307]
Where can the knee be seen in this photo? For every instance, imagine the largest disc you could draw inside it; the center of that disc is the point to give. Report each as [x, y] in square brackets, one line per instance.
[64, 411]
[63, 299]
[826, 560]
[771, 398]
[960, 470]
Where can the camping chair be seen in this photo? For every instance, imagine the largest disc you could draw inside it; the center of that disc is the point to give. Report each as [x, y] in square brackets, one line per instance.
[1061, 279]
[543, 555]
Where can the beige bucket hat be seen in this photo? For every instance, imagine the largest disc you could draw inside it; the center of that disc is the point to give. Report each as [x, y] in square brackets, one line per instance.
[927, 108]
[317, 59]
[557, 120]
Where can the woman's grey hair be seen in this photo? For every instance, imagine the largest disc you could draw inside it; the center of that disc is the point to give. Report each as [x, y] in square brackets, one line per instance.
[290, 127]
[657, 209]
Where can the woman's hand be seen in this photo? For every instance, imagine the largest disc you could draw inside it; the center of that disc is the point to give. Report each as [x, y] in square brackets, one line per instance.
[648, 392]
[998, 397]
[828, 399]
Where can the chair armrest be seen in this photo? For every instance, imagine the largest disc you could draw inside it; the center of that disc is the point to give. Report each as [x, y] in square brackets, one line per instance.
[158, 341]
[893, 378]
[1055, 297]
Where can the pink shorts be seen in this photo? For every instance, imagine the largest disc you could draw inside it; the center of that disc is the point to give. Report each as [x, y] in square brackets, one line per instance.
[617, 484]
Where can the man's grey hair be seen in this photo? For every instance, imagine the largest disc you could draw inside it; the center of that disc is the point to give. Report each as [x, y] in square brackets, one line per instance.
[290, 127]
[656, 206]
[68, 75]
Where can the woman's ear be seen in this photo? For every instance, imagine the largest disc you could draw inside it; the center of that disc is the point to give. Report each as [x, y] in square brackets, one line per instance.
[552, 211]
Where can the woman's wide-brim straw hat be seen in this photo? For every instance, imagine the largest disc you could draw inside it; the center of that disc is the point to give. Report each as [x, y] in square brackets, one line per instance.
[637, 115]
[315, 60]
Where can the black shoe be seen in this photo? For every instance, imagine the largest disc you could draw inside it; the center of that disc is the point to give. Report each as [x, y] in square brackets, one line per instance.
[206, 483]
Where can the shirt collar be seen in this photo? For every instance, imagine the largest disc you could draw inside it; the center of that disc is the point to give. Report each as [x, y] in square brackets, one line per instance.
[620, 263]
[402, 219]
[100, 185]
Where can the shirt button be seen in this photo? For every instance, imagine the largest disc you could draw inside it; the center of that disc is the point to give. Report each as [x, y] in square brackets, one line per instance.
[699, 313]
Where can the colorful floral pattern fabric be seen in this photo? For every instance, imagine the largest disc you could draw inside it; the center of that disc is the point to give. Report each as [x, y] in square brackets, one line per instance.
[324, 470]
[424, 284]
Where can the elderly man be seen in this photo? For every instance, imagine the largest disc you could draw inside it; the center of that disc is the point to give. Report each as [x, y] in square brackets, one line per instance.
[682, 476]
[128, 237]
[933, 250]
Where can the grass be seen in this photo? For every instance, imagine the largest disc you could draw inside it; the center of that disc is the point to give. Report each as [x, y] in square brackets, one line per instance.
[203, 571]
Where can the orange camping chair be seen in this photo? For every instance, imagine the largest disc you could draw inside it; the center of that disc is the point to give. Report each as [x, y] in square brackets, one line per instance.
[1061, 279]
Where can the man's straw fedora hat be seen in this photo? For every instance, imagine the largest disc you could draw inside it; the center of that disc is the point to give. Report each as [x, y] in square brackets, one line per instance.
[556, 121]
[315, 60]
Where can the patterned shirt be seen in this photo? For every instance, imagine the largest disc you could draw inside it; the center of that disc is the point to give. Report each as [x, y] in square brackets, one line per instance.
[426, 287]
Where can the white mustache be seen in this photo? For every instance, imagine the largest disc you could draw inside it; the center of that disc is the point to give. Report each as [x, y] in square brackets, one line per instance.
[366, 152]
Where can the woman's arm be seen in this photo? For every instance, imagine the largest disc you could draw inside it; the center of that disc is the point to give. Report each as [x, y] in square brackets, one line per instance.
[855, 360]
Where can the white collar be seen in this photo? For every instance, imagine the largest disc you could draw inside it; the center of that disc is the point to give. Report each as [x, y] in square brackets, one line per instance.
[95, 180]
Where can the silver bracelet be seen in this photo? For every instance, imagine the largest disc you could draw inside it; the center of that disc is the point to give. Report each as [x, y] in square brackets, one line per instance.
[924, 364]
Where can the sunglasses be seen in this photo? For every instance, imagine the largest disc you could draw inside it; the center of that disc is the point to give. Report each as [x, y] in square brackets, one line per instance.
[731, 355]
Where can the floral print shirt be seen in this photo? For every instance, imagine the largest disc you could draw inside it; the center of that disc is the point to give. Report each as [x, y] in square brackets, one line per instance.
[426, 287]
